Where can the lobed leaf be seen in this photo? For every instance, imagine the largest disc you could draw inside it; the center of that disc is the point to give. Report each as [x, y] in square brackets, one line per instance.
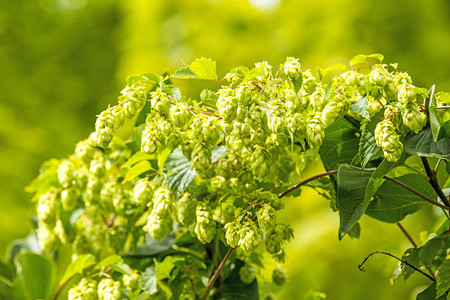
[77, 266]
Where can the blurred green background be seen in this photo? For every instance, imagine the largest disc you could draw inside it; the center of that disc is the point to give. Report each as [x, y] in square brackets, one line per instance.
[64, 61]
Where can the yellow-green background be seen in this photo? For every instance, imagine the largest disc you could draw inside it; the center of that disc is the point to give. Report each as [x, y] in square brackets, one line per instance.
[63, 61]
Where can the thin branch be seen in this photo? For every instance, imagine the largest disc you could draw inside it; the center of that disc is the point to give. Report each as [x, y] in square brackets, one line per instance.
[305, 182]
[360, 266]
[216, 273]
[443, 107]
[406, 233]
[417, 193]
[434, 181]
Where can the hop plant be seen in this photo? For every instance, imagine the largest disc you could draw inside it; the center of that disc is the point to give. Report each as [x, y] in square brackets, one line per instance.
[260, 162]
[159, 223]
[186, 208]
[108, 289]
[66, 174]
[315, 129]
[413, 117]
[247, 274]
[86, 289]
[250, 237]
[205, 228]
[335, 109]
[232, 233]
[387, 138]
[273, 242]
[279, 276]
[150, 141]
[266, 218]
[143, 192]
[201, 157]
[292, 67]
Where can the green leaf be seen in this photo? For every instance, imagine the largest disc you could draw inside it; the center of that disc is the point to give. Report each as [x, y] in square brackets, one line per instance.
[166, 266]
[148, 77]
[204, 68]
[411, 256]
[361, 107]
[355, 232]
[36, 275]
[181, 174]
[184, 73]
[432, 114]
[136, 170]
[377, 56]
[313, 295]
[358, 59]
[392, 202]
[443, 278]
[209, 98]
[430, 294]
[78, 265]
[30, 243]
[116, 263]
[422, 144]
[368, 148]
[297, 83]
[137, 157]
[153, 246]
[351, 187]
[148, 280]
[48, 178]
[448, 168]
[201, 68]
[340, 145]
[444, 132]
[232, 288]
[333, 68]
[172, 91]
[7, 272]
[253, 73]
[433, 252]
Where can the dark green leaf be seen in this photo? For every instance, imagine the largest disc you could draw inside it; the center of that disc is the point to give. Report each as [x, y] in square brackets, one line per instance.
[166, 266]
[7, 272]
[444, 132]
[411, 256]
[153, 246]
[448, 168]
[429, 294]
[82, 262]
[377, 179]
[116, 263]
[432, 114]
[355, 232]
[443, 278]
[312, 295]
[361, 107]
[297, 83]
[340, 145]
[368, 148]
[351, 187]
[433, 252]
[36, 275]
[136, 170]
[422, 144]
[148, 280]
[232, 288]
[392, 202]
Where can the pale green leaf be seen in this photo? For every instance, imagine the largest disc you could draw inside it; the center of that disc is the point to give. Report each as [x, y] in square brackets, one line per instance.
[253, 73]
[361, 107]
[377, 56]
[148, 280]
[204, 68]
[116, 263]
[137, 157]
[184, 73]
[138, 169]
[82, 262]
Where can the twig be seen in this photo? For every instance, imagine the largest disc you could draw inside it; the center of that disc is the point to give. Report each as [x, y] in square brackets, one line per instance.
[434, 182]
[360, 266]
[305, 182]
[417, 193]
[216, 273]
[406, 233]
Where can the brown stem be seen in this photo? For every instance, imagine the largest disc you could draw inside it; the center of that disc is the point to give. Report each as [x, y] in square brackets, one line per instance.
[360, 266]
[216, 273]
[406, 233]
[443, 107]
[417, 193]
[434, 181]
[305, 182]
